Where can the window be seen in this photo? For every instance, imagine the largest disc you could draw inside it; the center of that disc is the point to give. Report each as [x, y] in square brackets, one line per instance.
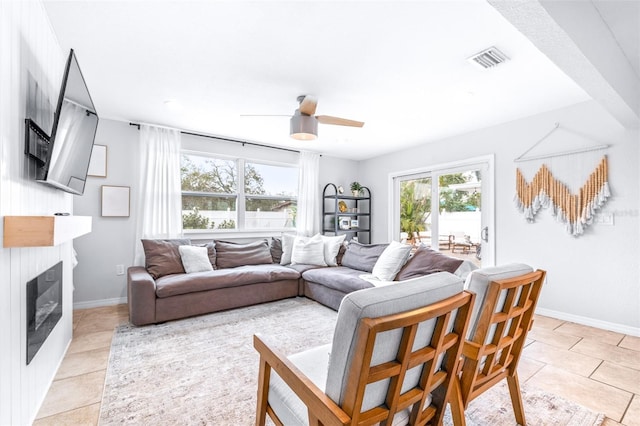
[447, 207]
[220, 193]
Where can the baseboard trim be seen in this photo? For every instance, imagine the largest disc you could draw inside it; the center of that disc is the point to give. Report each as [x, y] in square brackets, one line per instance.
[100, 303]
[611, 326]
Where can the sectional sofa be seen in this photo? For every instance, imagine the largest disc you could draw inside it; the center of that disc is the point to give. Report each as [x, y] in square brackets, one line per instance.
[181, 279]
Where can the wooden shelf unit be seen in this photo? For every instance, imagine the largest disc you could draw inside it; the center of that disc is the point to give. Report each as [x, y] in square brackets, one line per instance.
[43, 231]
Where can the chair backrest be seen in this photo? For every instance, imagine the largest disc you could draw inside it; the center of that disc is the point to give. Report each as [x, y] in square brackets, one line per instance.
[398, 346]
[478, 282]
[505, 305]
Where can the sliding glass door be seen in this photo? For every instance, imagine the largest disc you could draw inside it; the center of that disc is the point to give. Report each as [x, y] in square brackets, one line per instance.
[447, 207]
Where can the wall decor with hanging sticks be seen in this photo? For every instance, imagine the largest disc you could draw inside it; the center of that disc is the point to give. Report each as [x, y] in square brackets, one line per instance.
[575, 209]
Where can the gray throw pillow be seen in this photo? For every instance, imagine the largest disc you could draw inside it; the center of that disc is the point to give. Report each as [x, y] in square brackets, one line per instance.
[426, 261]
[162, 257]
[276, 249]
[230, 255]
[362, 257]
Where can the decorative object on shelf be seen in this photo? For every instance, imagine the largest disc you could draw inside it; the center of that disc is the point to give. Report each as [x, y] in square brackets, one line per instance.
[354, 223]
[115, 201]
[356, 188]
[340, 190]
[345, 223]
[574, 209]
[342, 206]
[98, 162]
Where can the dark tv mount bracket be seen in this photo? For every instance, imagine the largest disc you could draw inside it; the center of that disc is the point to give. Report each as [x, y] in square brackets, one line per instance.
[36, 144]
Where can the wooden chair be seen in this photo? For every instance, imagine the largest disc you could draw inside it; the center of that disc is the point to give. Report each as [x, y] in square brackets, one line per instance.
[503, 315]
[394, 358]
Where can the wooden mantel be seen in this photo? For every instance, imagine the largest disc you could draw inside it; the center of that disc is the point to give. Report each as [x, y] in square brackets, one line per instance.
[43, 231]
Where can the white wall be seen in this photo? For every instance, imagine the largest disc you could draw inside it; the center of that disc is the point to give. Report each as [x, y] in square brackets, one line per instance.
[112, 240]
[591, 279]
[28, 47]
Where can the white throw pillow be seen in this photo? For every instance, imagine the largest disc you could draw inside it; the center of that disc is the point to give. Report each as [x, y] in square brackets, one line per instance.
[391, 261]
[331, 248]
[195, 259]
[287, 248]
[308, 251]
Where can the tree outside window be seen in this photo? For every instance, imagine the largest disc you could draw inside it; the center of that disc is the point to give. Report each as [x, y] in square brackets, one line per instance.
[212, 197]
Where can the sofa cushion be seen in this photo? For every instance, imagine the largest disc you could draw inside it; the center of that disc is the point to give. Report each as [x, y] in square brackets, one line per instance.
[230, 254]
[287, 248]
[211, 252]
[173, 285]
[301, 267]
[276, 249]
[162, 256]
[373, 303]
[338, 278]
[308, 251]
[362, 256]
[332, 248]
[426, 261]
[391, 260]
[195, 259]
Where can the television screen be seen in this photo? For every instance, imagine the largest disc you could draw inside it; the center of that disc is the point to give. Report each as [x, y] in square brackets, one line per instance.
[72, 135]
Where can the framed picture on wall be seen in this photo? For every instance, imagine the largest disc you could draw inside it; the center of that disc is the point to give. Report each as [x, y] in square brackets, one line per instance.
[98, 162]
[115, 201]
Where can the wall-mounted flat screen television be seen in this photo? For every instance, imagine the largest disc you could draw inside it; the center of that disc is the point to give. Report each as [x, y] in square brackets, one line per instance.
[65, 160]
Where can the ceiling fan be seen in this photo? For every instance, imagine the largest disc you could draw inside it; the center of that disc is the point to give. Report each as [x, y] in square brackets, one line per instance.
[304, 124]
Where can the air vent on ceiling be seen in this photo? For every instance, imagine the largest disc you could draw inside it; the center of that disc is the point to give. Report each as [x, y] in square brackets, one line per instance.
[488, 58]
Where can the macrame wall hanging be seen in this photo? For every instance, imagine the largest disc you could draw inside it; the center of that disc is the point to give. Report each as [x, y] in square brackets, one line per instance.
[574, 200]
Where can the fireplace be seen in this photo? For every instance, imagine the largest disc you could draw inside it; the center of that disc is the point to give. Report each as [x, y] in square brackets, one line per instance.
[44, 307]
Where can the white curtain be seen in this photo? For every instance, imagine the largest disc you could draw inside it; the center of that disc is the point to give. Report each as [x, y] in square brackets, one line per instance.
[307, 220]
[160, 201]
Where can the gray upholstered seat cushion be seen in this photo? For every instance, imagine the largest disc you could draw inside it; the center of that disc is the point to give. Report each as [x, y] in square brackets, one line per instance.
[172, 285]
[338, 278]
[301, 267]
[362, 256]
[314, 363]
[288, 407]
[478, 282]
[373, 303]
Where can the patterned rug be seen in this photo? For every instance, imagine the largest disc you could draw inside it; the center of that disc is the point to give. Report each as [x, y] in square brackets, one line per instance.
[203, 371]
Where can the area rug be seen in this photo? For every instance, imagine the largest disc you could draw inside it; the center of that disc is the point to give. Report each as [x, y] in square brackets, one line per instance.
[203, 371]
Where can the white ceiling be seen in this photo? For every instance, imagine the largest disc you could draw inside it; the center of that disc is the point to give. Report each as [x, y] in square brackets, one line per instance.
[398, 66]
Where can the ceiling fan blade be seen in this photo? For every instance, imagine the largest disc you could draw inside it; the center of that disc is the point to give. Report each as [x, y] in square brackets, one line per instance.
[308, 105]
[265, 115]
[327, 119]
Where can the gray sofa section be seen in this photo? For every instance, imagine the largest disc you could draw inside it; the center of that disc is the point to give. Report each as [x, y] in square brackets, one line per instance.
[183, 295]
[165, 292]
[330, 285]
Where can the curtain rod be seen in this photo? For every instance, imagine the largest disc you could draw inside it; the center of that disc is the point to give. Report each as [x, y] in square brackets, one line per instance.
[184, 132]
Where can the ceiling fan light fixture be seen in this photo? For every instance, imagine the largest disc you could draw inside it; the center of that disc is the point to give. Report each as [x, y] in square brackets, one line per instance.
[304, 127]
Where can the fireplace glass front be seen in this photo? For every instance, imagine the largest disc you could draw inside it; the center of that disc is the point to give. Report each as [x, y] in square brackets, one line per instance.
[44, 307]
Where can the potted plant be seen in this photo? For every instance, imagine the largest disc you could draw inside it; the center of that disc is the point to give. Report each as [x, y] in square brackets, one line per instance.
[356, 188]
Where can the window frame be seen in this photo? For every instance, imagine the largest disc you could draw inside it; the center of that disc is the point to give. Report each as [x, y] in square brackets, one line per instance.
[240, 231]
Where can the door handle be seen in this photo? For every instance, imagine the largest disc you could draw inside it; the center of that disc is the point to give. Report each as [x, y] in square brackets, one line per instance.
[484, 234]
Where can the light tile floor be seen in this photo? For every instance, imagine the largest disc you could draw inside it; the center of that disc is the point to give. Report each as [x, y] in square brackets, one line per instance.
[596, 368]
